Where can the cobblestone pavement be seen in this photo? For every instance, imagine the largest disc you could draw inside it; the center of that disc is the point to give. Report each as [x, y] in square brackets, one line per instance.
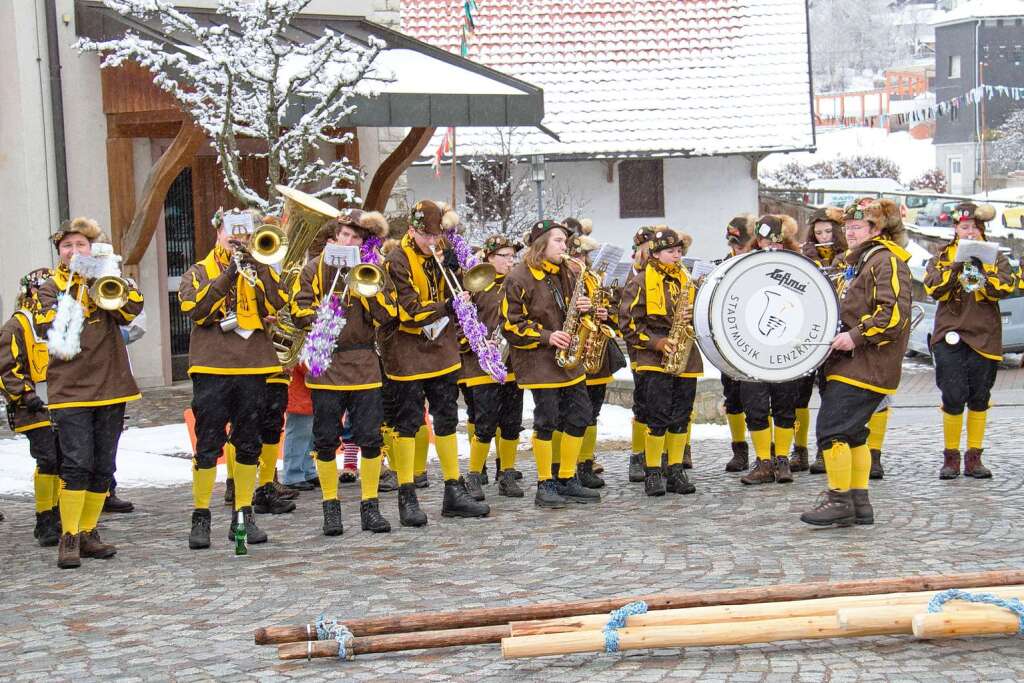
[161, 612]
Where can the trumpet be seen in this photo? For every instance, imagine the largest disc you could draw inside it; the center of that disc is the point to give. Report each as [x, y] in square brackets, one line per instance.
[110, 292]
[268, 246]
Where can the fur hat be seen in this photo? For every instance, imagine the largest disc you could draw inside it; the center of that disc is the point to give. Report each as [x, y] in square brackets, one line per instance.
[432, 217]
[666, 238]
[979, 213]
[827, 214]
[581, 244]
[388, 245]
[496, 243]
[370, 223]
[580, 226]
[643, 235]
[778, 228]
[740, 229]
[541, 227]
[86, 227]
[885, 214]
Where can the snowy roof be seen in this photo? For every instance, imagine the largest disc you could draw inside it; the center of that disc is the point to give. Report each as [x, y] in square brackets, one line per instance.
[981, 9]
[642, 77]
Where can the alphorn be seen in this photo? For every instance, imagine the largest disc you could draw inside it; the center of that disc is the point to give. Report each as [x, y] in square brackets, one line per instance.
[493, 616]
[753, 612]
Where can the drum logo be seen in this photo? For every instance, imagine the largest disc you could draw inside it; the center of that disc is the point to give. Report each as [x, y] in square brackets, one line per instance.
[786, 279]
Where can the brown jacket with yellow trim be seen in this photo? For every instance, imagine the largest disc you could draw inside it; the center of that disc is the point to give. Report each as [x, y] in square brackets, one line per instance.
[488, 310]
[647, 328]
[16, 370]
[101, 373]
[626, 297]
[531, 314]
[875, 309]
[408, 353]
[354, 363]
[825, 257]
[208, 300]
[975, 317]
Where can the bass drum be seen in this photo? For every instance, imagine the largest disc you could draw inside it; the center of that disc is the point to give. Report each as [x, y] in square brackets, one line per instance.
[766, 316]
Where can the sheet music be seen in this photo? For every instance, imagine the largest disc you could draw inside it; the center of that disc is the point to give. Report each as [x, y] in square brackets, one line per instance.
[617, 275]
[239, 223]
[701, 268]
[434, 329]
[986, 252]
[338, 256]
[606, 256]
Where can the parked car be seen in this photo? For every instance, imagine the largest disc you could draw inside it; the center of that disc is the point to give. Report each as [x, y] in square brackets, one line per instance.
[1011, 308]
[915, 203]
[937, 212]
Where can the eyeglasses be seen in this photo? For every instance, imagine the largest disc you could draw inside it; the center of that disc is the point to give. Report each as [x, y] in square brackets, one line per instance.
[508, 256]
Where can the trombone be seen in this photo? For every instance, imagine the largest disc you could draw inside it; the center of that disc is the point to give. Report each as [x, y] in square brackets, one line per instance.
[268, 246]
[478, 278]
[109, 292]
[363, 279]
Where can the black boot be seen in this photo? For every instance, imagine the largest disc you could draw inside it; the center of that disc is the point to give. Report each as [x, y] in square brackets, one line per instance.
[484, 479]
[636, 467]
[459, 503]
[421, 480]
[818, 466]
[265, 500]
[585, 473]
[677, 481]
[654, 484]
[253, 534]
[833, 508]
[740, 460]
[573, 491]
[687, 458]
[876, 465]
[474, 485]
[388, 481]
[508, 486]
[409, 512]
[799, 459]
[370, 517]
[554, 470]
[332, 518]
[199, 537]
[229, 492]
[664, 465]
[46, 531]
[547, 495]
[862, 510]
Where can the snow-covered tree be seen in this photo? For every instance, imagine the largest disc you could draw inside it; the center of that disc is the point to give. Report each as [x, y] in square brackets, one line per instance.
[1007, 145]
[796, 175]
[934, 179]
[849, 39]
[255, 82]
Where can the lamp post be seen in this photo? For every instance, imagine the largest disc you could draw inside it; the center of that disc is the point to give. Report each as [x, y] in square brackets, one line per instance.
[537, 168]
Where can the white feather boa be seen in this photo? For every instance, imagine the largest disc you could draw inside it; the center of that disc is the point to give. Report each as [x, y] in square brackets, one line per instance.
[65, 335]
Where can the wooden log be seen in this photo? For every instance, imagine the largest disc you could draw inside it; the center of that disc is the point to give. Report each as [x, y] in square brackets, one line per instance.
[758, 611]
[394, 642]
[900, 618]
[694, 635]
[958, 623]
[491, 616]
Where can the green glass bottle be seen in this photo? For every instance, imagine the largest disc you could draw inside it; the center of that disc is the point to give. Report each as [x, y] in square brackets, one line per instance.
[240, 548]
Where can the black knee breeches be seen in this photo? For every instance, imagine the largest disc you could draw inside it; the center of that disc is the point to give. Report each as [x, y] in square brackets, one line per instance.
[365, 410]
[497, 405]
[88, 438]
[964, 377]
[762, 400]
[669, 402]
[218, 400]
[565, 409]
[844, 414]
[441, 394]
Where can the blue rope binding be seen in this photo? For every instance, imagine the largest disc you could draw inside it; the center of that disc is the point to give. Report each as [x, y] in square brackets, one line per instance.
[617, 619]
[1013, 604]
[325, 629]
[344, 638]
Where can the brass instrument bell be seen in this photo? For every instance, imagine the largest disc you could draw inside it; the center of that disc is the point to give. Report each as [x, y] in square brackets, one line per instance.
[109, 292]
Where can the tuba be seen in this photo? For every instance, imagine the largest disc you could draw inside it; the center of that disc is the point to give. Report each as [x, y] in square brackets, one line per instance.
[303, 216]
[681, 332]
[580, 327]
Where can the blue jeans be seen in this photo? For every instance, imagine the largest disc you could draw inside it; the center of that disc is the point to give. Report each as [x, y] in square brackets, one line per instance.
[298, 442]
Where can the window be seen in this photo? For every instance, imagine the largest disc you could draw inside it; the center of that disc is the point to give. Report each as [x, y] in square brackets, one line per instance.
[641, 189]
[954, 66]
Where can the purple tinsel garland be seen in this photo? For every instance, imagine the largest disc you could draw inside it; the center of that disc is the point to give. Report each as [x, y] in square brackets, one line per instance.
[475, 331]
[369, 252]
[319, 346]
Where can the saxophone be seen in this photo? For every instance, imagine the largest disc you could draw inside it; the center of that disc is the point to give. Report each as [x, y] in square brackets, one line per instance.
[579, 327]
[681, 331]
[597, 344]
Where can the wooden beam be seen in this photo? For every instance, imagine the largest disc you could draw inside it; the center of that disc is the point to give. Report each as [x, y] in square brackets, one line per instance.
[391, 168]
[121, 184]
[179, 155]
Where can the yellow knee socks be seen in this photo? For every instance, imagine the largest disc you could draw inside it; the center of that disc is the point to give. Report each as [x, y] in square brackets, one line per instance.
[268, 462]
[477, 454]
[839, 465]
[653, 447]
[802, 428]
[71, 504]
[44, 485]
[976, 428]
[369, 477]
[783, 440]
[951, 428]
[387, 435]
[860, 458]
[202, 487]
[589, 444]
[229, 459]
[327, 470]
[422, 444]
[876, 430]
[542, 455]
[91, 508]
[639, 436]
[762, 440]
[245, 484]
[675, 444]
[448, 453]
[404, 454]
[570, 452]
[556, 447]
[471, 430]
[507, 449]
[737, 426]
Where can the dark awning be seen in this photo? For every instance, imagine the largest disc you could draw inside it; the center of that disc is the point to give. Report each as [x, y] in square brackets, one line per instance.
[432, 87]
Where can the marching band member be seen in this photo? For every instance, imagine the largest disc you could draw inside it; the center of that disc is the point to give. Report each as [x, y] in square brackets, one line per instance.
[967, 341]
[422, 356]
[538, 294]
[866, 360]
[352, 381]
[825, 245]
[497, 406]
[89, 380]
[227, 295]
[770, 407]
[739, 235]
[270, 497]
[668, 396]
[23, 360]
[641, 249]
